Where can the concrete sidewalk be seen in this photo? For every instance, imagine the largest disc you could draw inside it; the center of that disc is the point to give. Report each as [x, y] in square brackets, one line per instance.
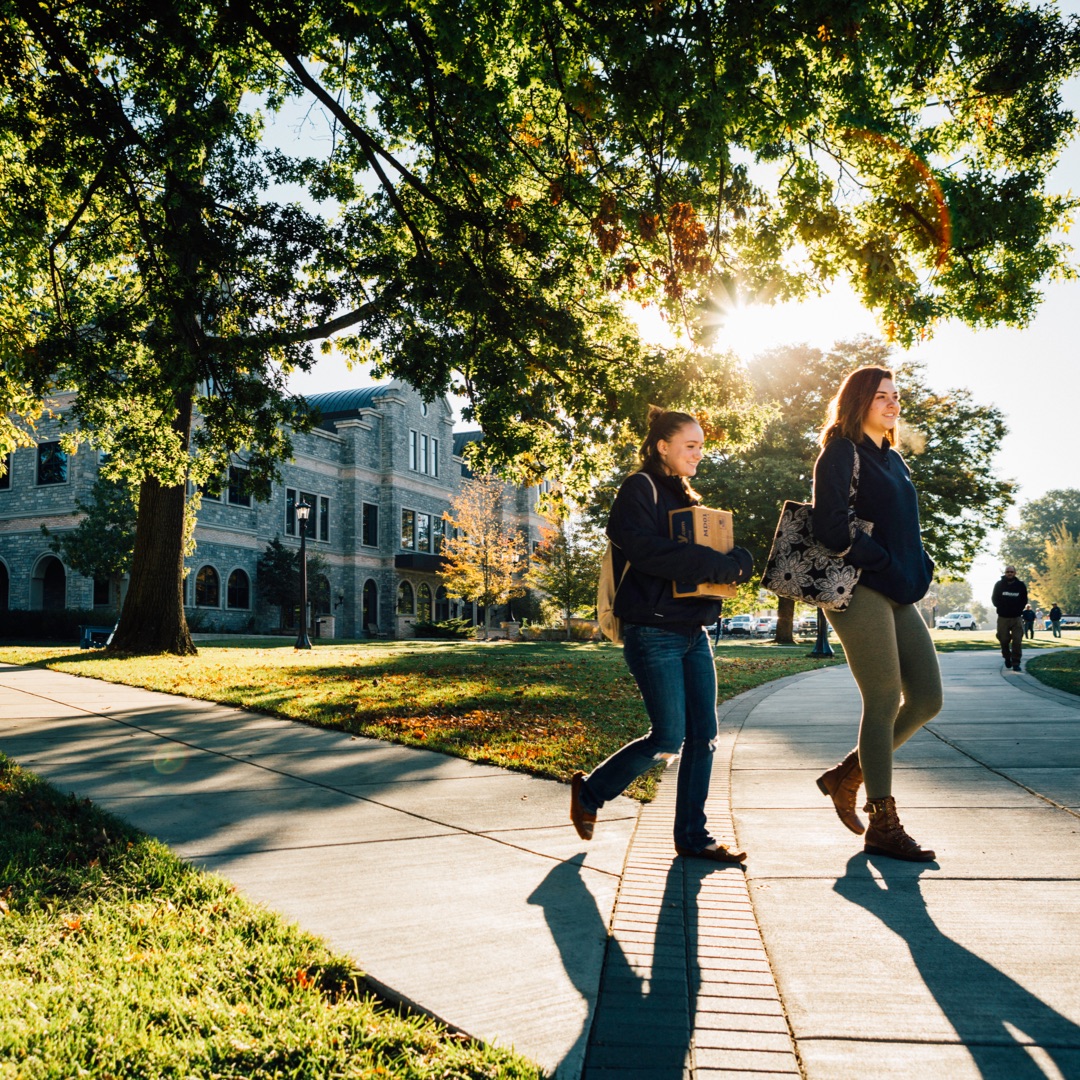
[456, 887]
[464, 890]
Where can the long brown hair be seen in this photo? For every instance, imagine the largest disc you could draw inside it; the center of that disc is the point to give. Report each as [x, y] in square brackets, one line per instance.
[663, 424]
[848, 409]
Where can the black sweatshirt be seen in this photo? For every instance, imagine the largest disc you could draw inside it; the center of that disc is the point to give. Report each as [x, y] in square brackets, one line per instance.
[893, 559]
[639, 529]
[1010, 597]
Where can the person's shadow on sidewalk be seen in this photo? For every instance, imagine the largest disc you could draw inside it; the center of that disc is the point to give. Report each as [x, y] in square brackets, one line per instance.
[991, 1013]
[641, 1020]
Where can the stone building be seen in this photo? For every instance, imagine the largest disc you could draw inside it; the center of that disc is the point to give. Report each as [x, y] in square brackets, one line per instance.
[378, 473]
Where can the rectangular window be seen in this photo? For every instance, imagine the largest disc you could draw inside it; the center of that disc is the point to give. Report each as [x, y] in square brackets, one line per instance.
[239, 493]
[313, 513]
[318, 526]
[324, 518]
[423, 532]
[440, 534]
[5, 480]
[434, 457]
[290, 511]
[424, 466]
[102, 592]
[370, 526]
[414, 450]
[52, 464]
[408, 528]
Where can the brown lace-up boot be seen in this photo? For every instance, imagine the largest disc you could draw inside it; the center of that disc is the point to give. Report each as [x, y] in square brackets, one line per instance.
[886, 835]
[841, 784]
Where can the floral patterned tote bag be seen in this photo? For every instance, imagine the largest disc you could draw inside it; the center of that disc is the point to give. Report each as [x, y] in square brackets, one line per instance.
[800, 568]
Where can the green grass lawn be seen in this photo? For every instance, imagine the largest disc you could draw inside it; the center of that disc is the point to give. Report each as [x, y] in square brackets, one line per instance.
[1059, 670]
[545, 708]
[117, 960]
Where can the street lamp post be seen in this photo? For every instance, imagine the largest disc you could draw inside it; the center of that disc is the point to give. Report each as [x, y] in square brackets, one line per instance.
[822, 646]
[303, 511]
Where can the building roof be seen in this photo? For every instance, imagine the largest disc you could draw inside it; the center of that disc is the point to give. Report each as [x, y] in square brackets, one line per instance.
[346, 404]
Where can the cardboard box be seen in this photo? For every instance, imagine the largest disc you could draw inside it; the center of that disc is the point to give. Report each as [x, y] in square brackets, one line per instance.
[710, 528]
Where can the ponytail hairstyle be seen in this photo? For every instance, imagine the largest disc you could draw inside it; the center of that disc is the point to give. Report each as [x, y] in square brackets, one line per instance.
[663, 425]
[848, 409]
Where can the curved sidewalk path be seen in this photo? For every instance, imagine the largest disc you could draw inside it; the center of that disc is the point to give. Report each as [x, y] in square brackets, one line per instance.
[462, 888]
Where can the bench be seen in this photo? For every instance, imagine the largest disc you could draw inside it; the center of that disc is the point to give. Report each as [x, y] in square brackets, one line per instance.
[95, 637]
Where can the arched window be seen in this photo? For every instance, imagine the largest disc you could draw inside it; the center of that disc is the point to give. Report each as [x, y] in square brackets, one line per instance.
[48, 585]
[423, 603]
[238, 592]
[207, 588]
[371, 604]
[442, 605]
[405, 599]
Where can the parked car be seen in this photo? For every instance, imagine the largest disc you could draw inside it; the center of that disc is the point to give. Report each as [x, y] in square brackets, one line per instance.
[741, 626]
[957, 620]
[806, 624]
[1070, 622]
[765, 628]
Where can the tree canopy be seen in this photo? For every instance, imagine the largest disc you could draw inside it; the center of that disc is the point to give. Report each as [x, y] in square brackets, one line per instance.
[1059, 582]
[948, 440]
[495, 183]
[1024, 545]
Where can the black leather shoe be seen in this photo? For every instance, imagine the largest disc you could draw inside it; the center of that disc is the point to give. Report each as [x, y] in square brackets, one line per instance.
[715, 853]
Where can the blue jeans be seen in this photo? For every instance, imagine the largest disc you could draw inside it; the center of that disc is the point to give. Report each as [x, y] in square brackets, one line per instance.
[677, 679]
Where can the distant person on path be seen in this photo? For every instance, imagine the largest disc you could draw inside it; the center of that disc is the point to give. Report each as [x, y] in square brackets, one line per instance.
[1055, 620]
[1009, 597]
[885, 639]
[1028, 615]
[665, 645]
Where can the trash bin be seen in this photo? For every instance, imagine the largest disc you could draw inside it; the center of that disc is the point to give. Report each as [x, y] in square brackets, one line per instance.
[324, 626]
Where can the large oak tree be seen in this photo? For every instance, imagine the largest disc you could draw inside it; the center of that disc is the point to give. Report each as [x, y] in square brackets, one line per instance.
[497, 181]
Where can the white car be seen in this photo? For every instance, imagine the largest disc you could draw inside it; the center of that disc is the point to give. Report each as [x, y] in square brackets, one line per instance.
[957, 620]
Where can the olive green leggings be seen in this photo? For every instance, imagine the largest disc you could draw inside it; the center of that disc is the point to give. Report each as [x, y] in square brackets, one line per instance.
[893, 661]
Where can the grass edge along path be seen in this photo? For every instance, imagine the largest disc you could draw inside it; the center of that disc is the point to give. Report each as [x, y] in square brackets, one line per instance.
[118, 960]
[541, 708]
[1060, 670]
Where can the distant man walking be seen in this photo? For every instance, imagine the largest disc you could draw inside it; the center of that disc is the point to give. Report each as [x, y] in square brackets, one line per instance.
[1055, 620]
[1028, 615]
[1010, 598]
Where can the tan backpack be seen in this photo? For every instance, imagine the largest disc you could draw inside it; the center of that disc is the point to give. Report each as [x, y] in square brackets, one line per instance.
[608, 587]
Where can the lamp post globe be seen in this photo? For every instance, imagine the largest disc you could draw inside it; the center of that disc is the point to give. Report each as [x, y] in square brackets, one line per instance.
[303, 512]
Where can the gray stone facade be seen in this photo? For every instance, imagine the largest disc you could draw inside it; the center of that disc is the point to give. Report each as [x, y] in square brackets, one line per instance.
[379, 472]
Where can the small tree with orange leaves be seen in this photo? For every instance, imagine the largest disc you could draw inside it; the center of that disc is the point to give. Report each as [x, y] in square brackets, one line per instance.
[486, 558]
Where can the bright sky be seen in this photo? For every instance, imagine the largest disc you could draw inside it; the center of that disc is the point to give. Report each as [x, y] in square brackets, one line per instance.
[1030, 374]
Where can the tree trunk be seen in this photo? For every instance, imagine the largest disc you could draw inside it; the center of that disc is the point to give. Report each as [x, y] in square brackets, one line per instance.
[785, 621]
[152, 619]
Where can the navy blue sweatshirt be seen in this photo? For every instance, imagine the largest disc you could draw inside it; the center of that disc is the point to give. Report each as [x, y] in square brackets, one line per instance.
[639, 529]
[893, 559]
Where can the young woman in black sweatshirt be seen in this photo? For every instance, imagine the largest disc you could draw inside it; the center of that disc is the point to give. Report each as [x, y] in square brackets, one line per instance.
[886, 643]
[665, 646]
